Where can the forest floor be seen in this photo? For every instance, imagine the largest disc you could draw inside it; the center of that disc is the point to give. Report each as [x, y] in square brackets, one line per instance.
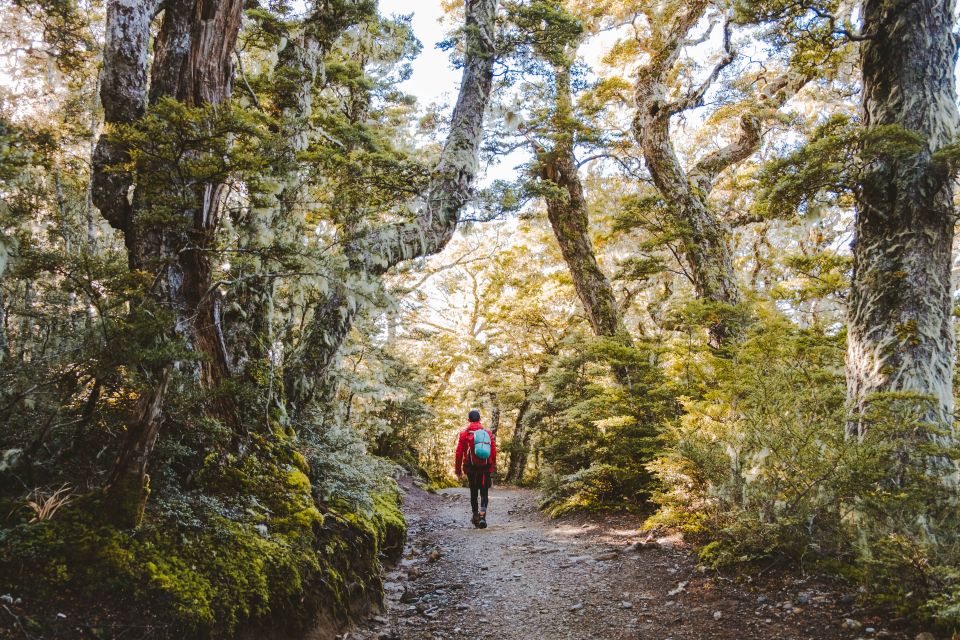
[528, 577]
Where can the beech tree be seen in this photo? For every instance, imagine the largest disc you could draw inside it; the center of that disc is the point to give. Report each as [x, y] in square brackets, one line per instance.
[170, 229]
[901, 322]
[556, 34]
[705, 236]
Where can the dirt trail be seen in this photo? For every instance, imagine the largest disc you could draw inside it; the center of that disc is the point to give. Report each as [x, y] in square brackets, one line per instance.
[527, 577]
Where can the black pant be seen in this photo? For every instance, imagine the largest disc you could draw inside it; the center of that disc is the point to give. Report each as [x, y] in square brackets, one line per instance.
[479, 483]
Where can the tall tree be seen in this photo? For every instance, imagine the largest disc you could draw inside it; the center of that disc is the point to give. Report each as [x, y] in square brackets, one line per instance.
[705, 236]
[170, 228]
[373, 251]
[193, 64]
[900, 313]
[569, 219]
[548, 38]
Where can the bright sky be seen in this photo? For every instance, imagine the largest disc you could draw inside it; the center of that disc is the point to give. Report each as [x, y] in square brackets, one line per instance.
[433, 77]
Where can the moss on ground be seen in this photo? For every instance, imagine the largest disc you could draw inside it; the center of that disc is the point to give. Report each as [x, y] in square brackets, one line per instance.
[260, 553]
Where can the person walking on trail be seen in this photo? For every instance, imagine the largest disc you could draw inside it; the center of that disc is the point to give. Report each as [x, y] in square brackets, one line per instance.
[476, 456]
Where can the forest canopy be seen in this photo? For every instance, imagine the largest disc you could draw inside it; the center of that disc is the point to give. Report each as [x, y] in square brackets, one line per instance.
[693, 259]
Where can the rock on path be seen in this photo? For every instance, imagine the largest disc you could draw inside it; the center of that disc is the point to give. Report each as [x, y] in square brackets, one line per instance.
[526, 577]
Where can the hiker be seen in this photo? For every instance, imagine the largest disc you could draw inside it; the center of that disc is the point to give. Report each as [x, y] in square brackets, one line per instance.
[476, 456]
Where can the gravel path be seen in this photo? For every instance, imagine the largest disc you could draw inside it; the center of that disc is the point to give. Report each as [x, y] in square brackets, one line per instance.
[528, 577]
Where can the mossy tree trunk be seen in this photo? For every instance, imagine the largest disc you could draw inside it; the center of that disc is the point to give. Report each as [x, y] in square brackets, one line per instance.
[273, 223]
[900, 314]
[192, 63]
[569, 219]
[373, 251]
[4, 344]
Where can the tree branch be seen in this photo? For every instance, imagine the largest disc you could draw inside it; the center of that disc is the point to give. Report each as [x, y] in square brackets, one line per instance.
[695, 98]
[773, 96]
[450, 187]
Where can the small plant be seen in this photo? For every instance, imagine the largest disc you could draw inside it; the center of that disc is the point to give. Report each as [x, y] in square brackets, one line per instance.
[45, 506]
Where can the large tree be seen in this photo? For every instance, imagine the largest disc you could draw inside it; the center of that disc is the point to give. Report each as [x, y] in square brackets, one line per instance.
[170, 228]
[546, 38]
[705, 238]
[900, 314]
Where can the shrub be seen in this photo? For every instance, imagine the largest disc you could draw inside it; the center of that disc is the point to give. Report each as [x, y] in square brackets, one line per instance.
[760, 466]
[606, 404]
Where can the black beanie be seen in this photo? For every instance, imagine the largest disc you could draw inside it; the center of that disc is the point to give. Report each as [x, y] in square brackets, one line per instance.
[474, 416]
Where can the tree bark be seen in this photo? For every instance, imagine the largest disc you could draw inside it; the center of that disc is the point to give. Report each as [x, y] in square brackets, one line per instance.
[900, 320]
[706, 241]
[494, 413]
[570, 222]
[520, 445]
[522, 432]
[4, 345]
[449, 190]
[192, 63]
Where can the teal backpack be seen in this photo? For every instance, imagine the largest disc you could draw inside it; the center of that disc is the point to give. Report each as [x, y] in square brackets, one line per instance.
[482, 447]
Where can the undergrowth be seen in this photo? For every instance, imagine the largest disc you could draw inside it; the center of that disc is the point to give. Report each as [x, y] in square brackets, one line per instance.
[760, 466]
[247, 543]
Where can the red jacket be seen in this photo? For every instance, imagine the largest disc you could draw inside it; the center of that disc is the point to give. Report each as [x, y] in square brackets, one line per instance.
[462, 452]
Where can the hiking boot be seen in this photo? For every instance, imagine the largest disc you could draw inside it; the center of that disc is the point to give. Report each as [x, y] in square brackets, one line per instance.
[482, 520]
[475, 519]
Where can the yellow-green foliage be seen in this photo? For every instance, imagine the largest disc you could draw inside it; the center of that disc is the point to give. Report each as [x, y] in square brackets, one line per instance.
[759, 466]
[228, 565]
[596, 434]
[770, 421]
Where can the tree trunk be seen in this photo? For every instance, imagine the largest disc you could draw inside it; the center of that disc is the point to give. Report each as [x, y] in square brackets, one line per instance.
[192, 63]
[568, 217]
[520, 445]
[372, 252]
[706, 241]
[129, 485]
[4, 345]
[494, 413]
[271, 223]
[900, 320]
